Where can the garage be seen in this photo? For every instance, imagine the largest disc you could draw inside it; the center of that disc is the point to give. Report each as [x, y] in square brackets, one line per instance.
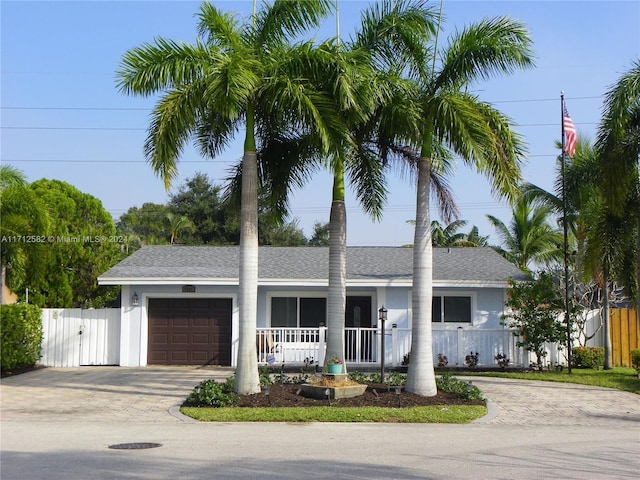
[189, 331]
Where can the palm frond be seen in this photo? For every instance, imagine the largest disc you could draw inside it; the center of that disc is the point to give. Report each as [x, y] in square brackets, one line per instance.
[483, 50]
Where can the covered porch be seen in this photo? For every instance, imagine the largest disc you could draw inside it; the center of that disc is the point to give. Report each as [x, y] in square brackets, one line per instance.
[363, 346]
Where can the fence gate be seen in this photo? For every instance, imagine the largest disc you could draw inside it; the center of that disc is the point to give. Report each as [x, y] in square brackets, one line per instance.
[73, 337]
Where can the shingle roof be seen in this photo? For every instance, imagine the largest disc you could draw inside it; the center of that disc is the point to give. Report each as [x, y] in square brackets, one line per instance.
[297, 265]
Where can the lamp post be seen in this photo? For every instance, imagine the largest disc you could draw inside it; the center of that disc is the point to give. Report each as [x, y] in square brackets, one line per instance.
[382, 316]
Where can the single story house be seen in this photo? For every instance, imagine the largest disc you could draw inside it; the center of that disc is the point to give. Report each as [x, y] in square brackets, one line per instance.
[179, 304]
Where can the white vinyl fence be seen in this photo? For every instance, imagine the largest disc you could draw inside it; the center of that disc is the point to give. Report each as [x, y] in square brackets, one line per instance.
[74, 337]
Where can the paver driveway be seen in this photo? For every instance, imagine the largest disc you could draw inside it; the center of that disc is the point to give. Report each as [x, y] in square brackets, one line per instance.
[118, 394]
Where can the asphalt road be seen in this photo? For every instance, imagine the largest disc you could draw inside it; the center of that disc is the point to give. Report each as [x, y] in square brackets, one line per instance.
[59, 424]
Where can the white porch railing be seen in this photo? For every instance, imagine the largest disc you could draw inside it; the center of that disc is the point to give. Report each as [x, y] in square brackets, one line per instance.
[362, 345]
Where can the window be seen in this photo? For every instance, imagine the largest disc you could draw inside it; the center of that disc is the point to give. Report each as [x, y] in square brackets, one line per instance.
[451, 309]
[305, 312]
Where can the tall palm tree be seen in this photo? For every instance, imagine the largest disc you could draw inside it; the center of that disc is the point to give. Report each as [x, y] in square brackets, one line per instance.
[529, 238]
[234, 75]
[352, 74]
[446, 114]
[618, 143]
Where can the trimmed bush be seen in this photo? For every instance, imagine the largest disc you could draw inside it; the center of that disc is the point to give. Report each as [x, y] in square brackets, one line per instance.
[448, 383]
[209, 393]
[587, 357]
[20, 335]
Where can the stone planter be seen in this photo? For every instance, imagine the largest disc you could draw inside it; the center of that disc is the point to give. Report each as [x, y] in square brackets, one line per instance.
[320, 391]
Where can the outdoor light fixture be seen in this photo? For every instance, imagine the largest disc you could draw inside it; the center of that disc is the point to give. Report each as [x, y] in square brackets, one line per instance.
[382, 316]
[134, 299]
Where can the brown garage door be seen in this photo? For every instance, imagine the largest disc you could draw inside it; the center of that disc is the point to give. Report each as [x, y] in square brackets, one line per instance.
[189, 331]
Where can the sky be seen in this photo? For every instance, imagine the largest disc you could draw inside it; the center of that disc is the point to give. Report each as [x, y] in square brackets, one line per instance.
[63, 118]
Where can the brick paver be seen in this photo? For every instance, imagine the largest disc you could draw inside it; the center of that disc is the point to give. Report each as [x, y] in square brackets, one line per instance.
[119, 394]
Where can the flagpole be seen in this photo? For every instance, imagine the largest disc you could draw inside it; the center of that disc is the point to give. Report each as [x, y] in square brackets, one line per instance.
[565, 236]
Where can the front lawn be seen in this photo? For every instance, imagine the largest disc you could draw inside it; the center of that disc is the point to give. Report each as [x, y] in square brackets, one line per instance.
[620, 378]
[433, 414]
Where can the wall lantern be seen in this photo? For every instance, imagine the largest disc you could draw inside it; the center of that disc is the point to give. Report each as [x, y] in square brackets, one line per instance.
[134, 299]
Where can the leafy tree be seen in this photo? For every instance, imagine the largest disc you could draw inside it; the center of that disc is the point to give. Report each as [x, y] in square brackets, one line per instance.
[529, 238]
[80, 246]
[284, 235]
[200, 201]
[535, 307]
[449, 236]
[146, 222]
[235, 74]
[320, 235]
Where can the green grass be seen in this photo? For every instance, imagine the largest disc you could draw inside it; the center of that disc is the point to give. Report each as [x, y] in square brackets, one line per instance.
[620, 378]
[434, 414]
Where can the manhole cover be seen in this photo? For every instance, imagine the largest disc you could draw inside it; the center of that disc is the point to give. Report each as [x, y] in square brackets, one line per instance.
[134, 446]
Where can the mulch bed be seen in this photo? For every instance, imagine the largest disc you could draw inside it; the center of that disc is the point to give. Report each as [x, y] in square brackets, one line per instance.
[376, 395]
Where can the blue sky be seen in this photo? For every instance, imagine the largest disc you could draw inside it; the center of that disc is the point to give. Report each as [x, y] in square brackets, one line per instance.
[63, 118]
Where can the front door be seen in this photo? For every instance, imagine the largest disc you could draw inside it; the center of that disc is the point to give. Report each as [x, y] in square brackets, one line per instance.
[358, 344]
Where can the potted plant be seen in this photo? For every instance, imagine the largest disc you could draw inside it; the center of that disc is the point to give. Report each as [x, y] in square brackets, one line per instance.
[334, 365]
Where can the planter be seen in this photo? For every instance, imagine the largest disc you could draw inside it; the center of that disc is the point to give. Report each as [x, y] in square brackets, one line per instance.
[334, 368]
[320, 392]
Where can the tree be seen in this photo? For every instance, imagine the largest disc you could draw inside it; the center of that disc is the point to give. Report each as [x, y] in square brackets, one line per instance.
[146, 222]
[201, 202]
[441, 113]
[235, 74]
[618, 144]
[450, 237]
[178, 225]
[24, 230]
[320, 235]
[535, 308]
[529, 238]
[81, 245]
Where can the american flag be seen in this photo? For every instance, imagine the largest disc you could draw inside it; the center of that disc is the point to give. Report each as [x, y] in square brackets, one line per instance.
[570, 135]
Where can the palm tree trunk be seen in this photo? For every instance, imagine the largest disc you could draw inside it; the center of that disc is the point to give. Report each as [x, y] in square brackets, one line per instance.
[337, 296]
[608, 357]
[247, 380]
[421, 375]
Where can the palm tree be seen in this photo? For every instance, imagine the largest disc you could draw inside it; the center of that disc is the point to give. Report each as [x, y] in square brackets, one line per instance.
[529, 238]
[23, 215]
[235, 74]
[178, 224]
[618, 144]
[350, 73]
[445, 114]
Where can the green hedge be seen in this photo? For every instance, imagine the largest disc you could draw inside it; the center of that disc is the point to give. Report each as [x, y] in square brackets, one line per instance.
[587, 357]
[20, 335]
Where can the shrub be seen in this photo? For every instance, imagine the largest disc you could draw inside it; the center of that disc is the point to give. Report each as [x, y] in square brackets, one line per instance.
[472, 359]
[20, 335]
[635, 359]
[396, 378]
[209, 393]
[448, 383]
[442, 360]
[587, 357]
[502, 360]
